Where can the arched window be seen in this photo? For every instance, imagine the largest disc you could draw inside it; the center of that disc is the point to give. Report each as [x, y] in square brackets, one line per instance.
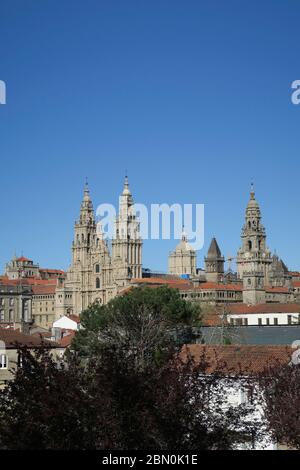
[97, 268]
[250, 245]
[82, 237]
[97, 283]
[249, 224]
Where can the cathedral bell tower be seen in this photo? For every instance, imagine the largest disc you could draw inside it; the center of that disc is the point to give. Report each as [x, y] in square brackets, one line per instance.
[253, 256]
[127, 243]
[79, 275]
[84, 230]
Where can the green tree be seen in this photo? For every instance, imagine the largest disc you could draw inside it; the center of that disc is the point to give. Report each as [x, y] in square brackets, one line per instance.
[142, 322]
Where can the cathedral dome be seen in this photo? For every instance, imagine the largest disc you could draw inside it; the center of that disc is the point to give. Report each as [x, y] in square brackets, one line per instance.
[184, 245]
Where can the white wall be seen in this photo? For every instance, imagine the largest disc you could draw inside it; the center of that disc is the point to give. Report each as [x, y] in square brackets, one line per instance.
[65, 323]
[253, 318]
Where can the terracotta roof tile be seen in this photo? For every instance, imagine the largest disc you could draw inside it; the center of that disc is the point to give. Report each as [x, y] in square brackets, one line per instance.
[27, 281]
[271, 290]
[67, 339]
[244, 359]
[44, 289]
[294, 273]
[216, 286]
[263, 308]
[11, 337]
[57, 271]
[22, 258]
[74, 318]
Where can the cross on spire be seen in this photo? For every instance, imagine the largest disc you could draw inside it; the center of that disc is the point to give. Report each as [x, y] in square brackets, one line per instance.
[252, 193]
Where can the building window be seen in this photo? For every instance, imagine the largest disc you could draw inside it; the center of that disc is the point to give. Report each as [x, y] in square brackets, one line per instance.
[97, 268]
[3, 361]
[289, 318]
[275, 321]
[11, 302]
[97, 283]
[11, 316]
[246, 321]
[249, 245]
[268, 321]
[259, 322]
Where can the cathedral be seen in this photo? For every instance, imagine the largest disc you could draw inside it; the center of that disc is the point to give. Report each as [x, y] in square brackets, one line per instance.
[261, 276]
[101, 269]
[97, 273]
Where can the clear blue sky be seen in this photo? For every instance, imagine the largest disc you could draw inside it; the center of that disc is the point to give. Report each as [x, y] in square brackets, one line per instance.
[192, 97]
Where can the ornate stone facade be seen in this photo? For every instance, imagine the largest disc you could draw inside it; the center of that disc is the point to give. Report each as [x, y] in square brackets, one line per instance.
[262, 274]
[96, 275]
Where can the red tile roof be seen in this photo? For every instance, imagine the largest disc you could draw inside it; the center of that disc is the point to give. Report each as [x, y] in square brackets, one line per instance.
[243, 359]
[262, 308]
[37, 281]
[44, 334]
[296, 283]
[22, 258]
[158, 280]
[216, 286]
[183, 284]
[44, 289]
[180, 284]
[74, 318]
[212, 319]
[25, 281]
[46, 270]
[67, 339]
[271, 290]
[11, 337]
[294, 273]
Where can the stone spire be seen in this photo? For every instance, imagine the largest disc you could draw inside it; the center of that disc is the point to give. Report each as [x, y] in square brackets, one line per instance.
[126, 190]
[84, 230]
[253, 232]
[214, 251]
[86, 208]
[253, 258]
[214, 262]
[127, 243]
